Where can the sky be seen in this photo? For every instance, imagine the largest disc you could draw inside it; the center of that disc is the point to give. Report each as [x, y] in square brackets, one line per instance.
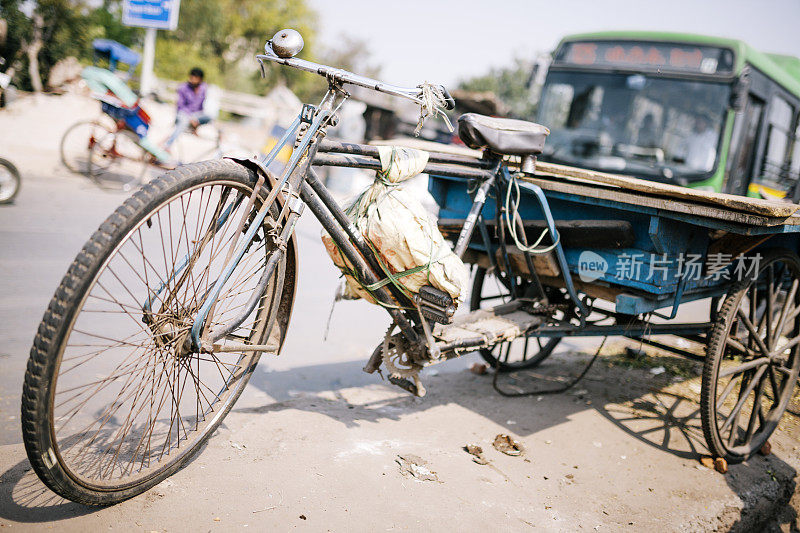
[444, 41]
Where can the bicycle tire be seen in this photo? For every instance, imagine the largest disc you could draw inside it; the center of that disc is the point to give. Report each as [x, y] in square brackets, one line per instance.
[9, 191]
[40, 400]
[69, 144]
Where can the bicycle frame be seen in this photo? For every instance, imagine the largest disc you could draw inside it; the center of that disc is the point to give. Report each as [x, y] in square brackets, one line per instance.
[301, 187]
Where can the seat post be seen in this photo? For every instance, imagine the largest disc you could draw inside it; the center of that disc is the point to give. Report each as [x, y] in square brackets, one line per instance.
[528, 165]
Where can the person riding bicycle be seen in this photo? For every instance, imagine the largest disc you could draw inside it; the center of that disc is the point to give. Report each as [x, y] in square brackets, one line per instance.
[191, 97]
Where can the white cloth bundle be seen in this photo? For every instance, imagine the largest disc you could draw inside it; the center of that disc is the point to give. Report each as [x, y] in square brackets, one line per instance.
[401, 232]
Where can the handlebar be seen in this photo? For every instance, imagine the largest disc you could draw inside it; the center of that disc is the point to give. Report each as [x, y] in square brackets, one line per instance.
[415, 94]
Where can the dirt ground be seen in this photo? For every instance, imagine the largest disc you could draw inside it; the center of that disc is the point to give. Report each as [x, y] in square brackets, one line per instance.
[315, 444]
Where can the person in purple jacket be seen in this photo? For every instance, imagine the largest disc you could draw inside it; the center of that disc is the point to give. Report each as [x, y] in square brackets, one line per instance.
[191, 95]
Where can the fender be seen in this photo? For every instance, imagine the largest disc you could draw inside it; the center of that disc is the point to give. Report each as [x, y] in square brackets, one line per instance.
[292, 255]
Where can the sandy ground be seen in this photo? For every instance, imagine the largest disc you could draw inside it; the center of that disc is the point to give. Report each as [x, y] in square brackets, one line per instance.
[313, 443]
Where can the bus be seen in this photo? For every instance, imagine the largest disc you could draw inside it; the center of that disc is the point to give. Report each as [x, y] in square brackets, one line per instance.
[704, 112]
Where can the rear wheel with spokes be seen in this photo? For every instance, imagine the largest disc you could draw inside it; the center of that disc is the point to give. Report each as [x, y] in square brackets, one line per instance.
[753, 359]
[526, 352]
[113, 401]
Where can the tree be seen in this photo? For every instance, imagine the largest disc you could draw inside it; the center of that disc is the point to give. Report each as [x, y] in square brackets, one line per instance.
[32, 51]
[220, 36]
[62, 26]
[106, 23]
[510, 84]
[56, 29]
[223, 37]
[18, 27]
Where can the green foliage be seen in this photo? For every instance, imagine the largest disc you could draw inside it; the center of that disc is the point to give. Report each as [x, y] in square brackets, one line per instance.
[66, 30]
[223, 36]
[17, 27]
[175, 58]
[106, 23]
[220, 36]
[510, 84]
[69, 28]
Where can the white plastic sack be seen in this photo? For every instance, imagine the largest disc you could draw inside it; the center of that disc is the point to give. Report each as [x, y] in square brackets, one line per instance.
[400, 231]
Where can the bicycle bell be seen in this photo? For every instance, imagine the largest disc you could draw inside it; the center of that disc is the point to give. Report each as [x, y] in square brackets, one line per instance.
[287, 43]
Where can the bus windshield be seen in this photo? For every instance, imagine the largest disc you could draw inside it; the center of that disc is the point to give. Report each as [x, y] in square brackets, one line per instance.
[659, 128]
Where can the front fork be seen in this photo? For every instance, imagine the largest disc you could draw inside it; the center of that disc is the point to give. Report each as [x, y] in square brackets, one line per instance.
[201, 337]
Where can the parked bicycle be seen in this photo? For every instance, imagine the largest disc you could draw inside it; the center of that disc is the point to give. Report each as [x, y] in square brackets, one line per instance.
[160, 321]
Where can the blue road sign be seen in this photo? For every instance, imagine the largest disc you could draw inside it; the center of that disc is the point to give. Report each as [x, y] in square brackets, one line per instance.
[158, 14]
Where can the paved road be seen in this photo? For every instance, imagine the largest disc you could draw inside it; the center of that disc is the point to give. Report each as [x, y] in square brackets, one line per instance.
[313, 442]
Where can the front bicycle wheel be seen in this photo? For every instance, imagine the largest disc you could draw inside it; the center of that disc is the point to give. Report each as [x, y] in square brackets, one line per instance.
[112, 404]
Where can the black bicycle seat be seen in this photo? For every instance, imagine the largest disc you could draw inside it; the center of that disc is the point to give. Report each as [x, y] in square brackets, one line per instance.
[502, 135]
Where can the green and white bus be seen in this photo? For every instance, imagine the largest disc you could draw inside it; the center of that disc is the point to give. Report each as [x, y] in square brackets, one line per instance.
[705, 112]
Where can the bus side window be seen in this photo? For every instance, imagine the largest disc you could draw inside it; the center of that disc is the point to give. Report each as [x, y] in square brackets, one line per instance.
[774, 176]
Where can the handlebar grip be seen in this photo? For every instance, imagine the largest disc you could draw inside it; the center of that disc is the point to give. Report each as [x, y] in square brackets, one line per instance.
[449, 101]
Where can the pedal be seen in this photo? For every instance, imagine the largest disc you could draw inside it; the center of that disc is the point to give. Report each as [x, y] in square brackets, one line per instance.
[405, 384]
[435, 304]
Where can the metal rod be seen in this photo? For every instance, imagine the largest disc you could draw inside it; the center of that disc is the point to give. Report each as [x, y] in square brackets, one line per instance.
[562, 259]
[185, 261]
[270, 157]
[270, 348]
[261, 287]
[472, 217]
[501, 234]
[291, 169]
[370, 163]
[433, 157]
[342, 76]
[536, 282]
[487, 241]
[626, 330]
[668, 348]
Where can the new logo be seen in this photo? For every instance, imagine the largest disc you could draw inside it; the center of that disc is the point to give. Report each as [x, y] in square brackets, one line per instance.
[591, 266]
